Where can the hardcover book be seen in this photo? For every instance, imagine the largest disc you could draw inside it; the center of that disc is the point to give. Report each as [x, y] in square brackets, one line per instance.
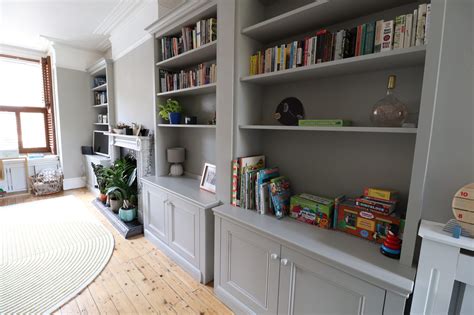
[369, 38]
[387, 36]
[378, 36]
[280, 194]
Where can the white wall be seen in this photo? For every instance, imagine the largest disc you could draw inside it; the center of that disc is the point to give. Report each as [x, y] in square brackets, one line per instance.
[134, 90]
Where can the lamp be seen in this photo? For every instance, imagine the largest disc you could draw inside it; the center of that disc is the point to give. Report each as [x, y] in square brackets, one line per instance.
[176, 157]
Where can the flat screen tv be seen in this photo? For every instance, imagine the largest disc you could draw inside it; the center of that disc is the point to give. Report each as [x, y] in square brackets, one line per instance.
[100, 143]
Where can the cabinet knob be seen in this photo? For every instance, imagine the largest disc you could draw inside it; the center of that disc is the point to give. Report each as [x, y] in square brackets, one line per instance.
[284, 262]
[274, 256]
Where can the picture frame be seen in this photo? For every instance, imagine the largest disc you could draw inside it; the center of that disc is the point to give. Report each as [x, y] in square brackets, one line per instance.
[208, 178]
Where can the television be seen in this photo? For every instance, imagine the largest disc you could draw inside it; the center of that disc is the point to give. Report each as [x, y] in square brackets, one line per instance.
[100, 143]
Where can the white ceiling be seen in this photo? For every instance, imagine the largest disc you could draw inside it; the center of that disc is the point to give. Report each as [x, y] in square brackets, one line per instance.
[80, 23]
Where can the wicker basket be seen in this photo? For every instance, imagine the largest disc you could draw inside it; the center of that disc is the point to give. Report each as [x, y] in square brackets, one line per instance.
[48, 181]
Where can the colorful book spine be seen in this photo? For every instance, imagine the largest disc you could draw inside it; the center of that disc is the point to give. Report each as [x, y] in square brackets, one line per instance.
[399, 34]
[387, 36]
[378, 36]
[235, 183]
[280, 194]
[362, 39]
[427, 23]
[369, 38]
[420, 27]
[408, 30]
[358, 40]
[413, 29]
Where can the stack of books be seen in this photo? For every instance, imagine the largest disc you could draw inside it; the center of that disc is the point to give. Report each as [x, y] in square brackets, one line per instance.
[378, 36]
[200, 75]
[204, 32]
[378, 200]
[255, 187]
[100, 97]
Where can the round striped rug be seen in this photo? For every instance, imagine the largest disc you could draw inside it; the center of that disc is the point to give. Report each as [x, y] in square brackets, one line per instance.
[49, 251]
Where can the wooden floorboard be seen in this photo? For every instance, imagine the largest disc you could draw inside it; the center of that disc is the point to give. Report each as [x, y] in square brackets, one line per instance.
[139, 279]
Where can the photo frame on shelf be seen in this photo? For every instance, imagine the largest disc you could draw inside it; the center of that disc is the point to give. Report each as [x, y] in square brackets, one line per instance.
[208, 178]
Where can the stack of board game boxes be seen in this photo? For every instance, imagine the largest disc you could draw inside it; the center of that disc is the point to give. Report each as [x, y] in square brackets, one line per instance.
[370, 216]
[403, 31]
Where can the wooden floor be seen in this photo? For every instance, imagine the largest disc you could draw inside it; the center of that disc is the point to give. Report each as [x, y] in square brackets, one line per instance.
[139, 279]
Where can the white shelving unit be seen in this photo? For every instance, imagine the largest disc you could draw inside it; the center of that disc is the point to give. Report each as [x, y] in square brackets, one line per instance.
[103, 67]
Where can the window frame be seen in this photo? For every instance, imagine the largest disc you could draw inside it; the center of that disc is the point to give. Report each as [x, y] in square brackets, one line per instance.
[46, 110]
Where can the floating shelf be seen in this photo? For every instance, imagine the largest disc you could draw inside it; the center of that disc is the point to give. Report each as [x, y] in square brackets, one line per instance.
[102, 87]
[196, 56]
[197, 90]
[100, 105]
[332, 129]
[318, 14]
[399, 58]
[187, 126]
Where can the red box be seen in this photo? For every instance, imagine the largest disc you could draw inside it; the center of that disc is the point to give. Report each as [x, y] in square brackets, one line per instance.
[365, 224]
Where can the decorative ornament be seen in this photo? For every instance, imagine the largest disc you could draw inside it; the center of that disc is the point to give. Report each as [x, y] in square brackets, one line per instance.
[389, 111]
[289, 111]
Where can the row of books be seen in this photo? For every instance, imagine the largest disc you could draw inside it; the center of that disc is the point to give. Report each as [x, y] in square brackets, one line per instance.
[200, 75]
[405, 31]
[256, 187]
[204, 32]
[100, 97]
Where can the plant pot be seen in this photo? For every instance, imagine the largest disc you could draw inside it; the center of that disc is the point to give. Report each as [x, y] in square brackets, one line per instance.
[127, 215]
[115, 205]
[103, 198]
[175, 118]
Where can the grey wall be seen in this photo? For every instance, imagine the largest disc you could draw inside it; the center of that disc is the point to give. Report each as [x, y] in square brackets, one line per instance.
[133, 79]
[451, 152]
[74, 116]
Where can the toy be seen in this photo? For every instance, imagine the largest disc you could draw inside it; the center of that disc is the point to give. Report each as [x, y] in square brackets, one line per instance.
[365, 224]
[391, 246]
[463, 208]
[312, 210]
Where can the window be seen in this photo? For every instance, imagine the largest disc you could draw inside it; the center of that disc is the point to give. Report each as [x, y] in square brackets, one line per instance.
[26, 107]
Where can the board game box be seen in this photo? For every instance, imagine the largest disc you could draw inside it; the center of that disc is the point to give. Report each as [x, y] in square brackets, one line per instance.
[365, 224]
[312, 210]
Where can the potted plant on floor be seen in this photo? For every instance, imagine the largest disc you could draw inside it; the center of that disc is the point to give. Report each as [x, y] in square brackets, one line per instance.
[99, 171]
[171, 111]
[117, 174]
[126, 189]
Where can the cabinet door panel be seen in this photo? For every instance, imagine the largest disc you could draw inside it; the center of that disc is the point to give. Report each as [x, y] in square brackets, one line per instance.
[308, 286]
[184, 229]
[155, 213]
[248, 271]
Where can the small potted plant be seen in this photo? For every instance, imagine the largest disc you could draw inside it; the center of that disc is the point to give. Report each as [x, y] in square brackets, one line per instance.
[171, 111]
[126, 190]
[100, 174]
[115, 202]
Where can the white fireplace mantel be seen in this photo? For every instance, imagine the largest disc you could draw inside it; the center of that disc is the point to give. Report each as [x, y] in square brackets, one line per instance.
[143, 151]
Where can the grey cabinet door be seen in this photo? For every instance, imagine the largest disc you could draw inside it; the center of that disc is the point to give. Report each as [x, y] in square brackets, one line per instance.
[249, 268]
[308, 286]
[155, 212]
[184, 229]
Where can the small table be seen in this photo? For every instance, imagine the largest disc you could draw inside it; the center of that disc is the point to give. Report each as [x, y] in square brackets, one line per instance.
[443, 260]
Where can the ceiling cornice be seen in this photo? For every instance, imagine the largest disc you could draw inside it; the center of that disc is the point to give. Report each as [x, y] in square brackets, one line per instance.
[175, 15]
[118, 13]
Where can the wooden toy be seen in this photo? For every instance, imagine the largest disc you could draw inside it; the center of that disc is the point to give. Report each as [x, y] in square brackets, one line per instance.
[463, 207]
[391, 246]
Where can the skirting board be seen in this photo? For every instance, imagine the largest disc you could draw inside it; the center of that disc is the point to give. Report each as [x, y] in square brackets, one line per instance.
[74, 183]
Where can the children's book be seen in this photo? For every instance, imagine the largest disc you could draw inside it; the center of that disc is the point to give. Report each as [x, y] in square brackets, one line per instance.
[251, 163]
[280, 194]
[236, 182]
[264, 176]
